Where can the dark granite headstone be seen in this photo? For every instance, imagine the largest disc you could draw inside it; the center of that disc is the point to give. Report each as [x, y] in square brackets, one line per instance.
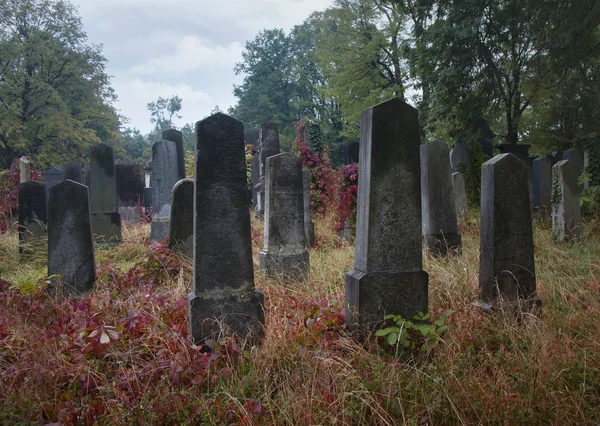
[224, 298]
[309, 226]
[351, 152]
[252, 135]
[566, 211]
[148, 197]
[181, 234]
[521, 151]
[72, 171]
[486, 135]
[164, 176]
[460, 155]
[52, 177]
[440, 227]
[507, 268]
[86, 176]
[387, 276]
[70, 245]
[542, 184]
[32, 215]
[106, 221]
[177, 137]
[284, 254]
[130, 184]
[576, 157]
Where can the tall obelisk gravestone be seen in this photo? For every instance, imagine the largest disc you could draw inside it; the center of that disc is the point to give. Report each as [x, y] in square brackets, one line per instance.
[70, 245]
[506, 266]
[284, 254]
[387, 276]
[106, 220]
[224, 298]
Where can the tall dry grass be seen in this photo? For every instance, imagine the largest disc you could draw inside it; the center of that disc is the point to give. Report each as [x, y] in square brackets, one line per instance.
[489, 369]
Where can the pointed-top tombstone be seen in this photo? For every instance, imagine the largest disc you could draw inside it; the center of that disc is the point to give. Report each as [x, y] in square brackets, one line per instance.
[506, 268]
[177, 137]
[387, 276]
[224, 296]
[70, 246]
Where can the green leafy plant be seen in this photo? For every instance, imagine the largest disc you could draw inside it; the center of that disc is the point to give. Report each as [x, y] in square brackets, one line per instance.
[421, 333]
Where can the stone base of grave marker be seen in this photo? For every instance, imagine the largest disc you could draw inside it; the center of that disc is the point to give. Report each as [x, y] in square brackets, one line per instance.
[377, 294]
[217, 314]
[292, 265]
[129, 213]
[160, 228]
[106, 227]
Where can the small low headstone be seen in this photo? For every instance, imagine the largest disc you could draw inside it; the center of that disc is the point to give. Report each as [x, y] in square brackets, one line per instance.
[24, 169]
[460, 196]
[224, 298]
[251, 135]
[165, 175]
[32, 215]
[440, 227]
[70, 245]
[351, 153]
[460, 155]
[507, 267]
[576, 157]
[388, 277]
[177, 137]
[309, 226]
[284, 254]
[72, 171]
[181, 234]
[542, 184]
[566, 211]
[130, 185]
[52, 176]
[106, 221]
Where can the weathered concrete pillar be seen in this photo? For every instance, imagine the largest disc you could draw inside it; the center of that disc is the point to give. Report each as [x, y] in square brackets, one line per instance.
[387, 276]
[224, 298]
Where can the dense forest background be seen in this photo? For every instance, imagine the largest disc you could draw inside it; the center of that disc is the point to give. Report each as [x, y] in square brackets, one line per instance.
[531, 69]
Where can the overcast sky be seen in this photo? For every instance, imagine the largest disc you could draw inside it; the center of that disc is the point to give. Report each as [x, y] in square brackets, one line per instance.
[181, 47]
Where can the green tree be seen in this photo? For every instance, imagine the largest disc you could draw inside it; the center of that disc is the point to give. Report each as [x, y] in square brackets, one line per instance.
[134, 143]
[55, 97]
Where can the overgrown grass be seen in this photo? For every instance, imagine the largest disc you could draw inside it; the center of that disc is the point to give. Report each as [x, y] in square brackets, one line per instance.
[122, 354]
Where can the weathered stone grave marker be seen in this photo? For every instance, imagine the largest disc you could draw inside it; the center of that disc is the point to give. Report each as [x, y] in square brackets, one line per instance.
[566, 211]
[72, 171]
[181, 234]
[165, 174]
[70, 245]
[460, 196]
[507, 268]
[130, 185]
[33, 216]
[269, 146]
[284, 254]
[177, 137]
[440, 228]
[24, 169]
[106, 221]
[224, 296]
[52, 176]
[387, 276]
[542, 184]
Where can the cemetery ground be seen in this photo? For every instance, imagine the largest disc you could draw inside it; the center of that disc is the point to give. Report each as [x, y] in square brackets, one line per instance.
[122, 355]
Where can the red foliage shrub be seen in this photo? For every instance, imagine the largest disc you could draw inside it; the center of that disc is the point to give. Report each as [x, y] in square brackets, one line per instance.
[347, 194]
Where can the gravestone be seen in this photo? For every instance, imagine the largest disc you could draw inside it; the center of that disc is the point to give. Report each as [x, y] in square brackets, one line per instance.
[387, 276]
[460, 155]
[542, 184]
[165, 175]
[86, 176]
[32, 215]
[269, 146]
[177, 137]
[440, 227]
[521, 151]
[460, 196]
[576, 158]
[70, 245]
[52, 176]
[589, 180]
[309, 226]
[284, 254]
[566, 211]
[106, 221]
[224, 297]
[486, 135]
[130, 185]
[148, 174]
[507, 268]
[255, 176]
[346, 233]
[351, 153]
[147, 197]
[72, 171]
[24, 169]
[252, 135]
[181, 231]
